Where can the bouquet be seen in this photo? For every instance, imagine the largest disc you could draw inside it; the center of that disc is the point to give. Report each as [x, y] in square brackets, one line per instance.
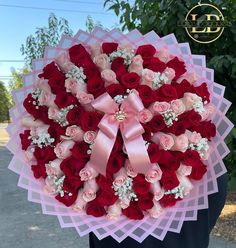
[122, 135]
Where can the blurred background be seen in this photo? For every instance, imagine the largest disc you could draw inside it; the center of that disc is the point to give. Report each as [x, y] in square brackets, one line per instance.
[28, 26]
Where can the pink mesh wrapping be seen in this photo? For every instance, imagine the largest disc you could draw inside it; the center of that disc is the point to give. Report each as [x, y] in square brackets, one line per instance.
[173, 218]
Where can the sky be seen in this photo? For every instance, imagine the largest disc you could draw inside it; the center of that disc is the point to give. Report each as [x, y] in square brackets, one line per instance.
[19, 19]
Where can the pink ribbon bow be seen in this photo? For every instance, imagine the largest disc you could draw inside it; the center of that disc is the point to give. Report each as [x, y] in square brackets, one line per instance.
[126, 120]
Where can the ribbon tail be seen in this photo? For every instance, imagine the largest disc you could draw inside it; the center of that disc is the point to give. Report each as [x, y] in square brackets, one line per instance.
[138, 155]
[101, 151]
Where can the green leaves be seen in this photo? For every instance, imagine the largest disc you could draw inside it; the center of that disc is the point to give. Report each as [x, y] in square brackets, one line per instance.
[44, 36]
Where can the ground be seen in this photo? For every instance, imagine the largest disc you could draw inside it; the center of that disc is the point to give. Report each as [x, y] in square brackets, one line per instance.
[23, 225]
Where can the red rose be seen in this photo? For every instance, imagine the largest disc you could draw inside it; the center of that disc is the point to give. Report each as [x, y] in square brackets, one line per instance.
[30, 107]
[154, 64]
[168, 200]
[198, 171]
[25, 141]
[190, 157]
[130, 80]
[207, 129]
[95, 86]
[79, 56]
[169, 180]
[115, 162]
[145, 201]
[79, 150]
[182, 87]
[49, 71]
[90, 121]
[146, 94]
[109, 47]
[157, 123]
[95, 209]
[64, 99]
[147, 135]
[202, 91]
[43, 115]
[168, 161]
[115, 89]
[104, 182]
[55, 131]
[74, 116]
[118, 67]
[133, 211]
[178, 128]
[154, 153]
[39, 171]
[72, 184]
[91, 71]
[166, 93]
[140, 185]
[118, 146]
[71, 167]
[57, 83]
[68, 199]
[178, 66]
[146, 51]
[45, 154]
[106, 197]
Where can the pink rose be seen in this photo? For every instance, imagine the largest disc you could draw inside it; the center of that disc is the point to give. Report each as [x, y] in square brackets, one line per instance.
[75, 86]
[145, 115]
[130, 170]
[29, 122]
[37, 131]
[43, 85]
[120, 177]
[184, 170]
[157, 191]
[205, 154]
[147, 77]
[63, 149]
[53, 168]
[156, 210]
[185, 183]
[189, 99]
[47, 99]
[50, 187]
[52, 113]
[29, 154]
[166, 141]
[136, 64]
[84, 98]
[209, 110]
[64, 62]
[170, 74]
[114, 211]
[160, 107]
[95, 50]
[75, 132]
[88, 173]
[181, 143]
[127, 47]
[154, 174]
[89, 137]
[80, 203]
[190, 77]
[177, 106]
[109, 77]
[193, 137]
[163, 55]
[89, 190]
[102, 61]
[124, 203]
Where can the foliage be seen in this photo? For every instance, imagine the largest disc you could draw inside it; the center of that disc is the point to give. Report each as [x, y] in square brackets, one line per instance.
[4, 103]
[44, 36]
[163, 17]
[90, 24]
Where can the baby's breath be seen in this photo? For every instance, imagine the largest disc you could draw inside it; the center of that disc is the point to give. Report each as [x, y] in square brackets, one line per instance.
[177, 191]
[76, 73]
[124, 53]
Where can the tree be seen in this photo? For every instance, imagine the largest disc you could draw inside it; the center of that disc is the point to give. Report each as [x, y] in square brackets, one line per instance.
[91, 24]
[44, 36]
[4, 103]
[163, 17]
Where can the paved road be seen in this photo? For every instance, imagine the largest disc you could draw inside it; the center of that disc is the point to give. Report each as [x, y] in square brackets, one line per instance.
[23, 226]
